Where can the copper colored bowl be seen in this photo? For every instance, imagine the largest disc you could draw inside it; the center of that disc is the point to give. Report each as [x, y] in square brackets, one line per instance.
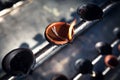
[111, 61]
[57, 33]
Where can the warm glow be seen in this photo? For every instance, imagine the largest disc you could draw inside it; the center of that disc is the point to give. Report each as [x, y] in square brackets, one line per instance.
[71, 29]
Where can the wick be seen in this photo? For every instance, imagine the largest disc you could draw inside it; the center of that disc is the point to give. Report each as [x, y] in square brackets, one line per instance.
[55, 32]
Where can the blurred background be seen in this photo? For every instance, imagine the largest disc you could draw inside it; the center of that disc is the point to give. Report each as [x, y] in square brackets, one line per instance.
[25, 27]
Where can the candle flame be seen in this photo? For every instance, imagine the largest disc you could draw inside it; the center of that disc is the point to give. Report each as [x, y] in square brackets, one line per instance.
[71, 29]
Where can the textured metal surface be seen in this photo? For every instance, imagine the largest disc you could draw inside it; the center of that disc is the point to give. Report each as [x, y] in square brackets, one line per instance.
[26, 29]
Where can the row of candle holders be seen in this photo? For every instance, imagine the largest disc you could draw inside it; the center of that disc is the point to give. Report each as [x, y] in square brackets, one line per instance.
[85, 66]
[22, 60]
